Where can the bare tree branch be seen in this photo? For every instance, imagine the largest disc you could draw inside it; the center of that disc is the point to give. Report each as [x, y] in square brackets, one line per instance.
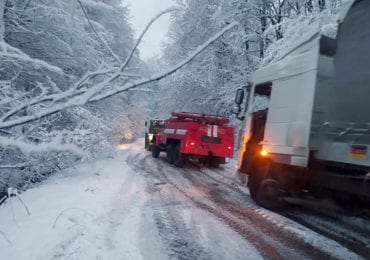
[5, 237]
[97, 34]
[157, 77]
[72, 98]
[124, 65]
[129, 57]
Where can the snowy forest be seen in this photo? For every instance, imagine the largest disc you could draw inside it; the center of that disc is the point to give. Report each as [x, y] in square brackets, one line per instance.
[72, 84]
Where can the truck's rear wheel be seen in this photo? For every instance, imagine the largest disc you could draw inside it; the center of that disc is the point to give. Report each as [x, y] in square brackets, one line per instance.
[170, 153]
[155, 151]
[215, 162]
[179, 158]
[264, 189]
[268, 194]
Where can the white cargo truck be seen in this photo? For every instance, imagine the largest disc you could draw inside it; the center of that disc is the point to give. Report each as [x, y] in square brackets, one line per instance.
[312, 135]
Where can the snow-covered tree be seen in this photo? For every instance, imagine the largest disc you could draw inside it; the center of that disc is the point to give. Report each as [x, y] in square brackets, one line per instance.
[207, 85]
[46, 47]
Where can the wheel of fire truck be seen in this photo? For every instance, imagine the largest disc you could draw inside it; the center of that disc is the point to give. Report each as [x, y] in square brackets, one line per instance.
[170, 153]
[215, 162]
[263, 188]
[155, 151]
[179, 158]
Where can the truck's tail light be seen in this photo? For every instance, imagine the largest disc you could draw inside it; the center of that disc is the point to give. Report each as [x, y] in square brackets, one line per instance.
[264, 153]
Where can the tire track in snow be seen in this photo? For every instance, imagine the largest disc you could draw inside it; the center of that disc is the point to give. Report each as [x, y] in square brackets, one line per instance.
[180, 242]
[348, 235]
[234, 190]
[226, 200]
[158, 168]
[274, 241]
[220, 179]
[273, 230]
[119, 211]
[268, 244]
[105, 236]
[260, 220]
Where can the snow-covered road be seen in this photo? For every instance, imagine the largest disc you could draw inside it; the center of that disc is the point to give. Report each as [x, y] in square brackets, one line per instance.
[132, 206]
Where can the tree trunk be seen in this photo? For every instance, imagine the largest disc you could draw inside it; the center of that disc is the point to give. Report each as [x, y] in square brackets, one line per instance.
[2, 23]
[263, 23]
[309, 6]
[322, 5]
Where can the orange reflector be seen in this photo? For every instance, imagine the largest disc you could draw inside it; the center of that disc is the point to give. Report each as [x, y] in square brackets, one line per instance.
[264, 153]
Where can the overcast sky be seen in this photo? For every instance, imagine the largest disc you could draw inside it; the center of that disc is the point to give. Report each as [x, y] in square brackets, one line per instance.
[141, 12]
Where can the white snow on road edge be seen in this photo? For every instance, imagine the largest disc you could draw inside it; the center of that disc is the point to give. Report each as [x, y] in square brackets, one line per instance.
[66, 207]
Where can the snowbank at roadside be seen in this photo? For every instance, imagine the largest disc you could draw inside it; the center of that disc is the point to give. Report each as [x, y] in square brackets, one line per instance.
[65, 207]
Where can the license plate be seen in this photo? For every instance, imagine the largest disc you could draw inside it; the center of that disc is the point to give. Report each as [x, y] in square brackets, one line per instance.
[358, 152]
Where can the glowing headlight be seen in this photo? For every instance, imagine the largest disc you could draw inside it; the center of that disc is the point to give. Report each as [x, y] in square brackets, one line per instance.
[264, 153]
[150, 137]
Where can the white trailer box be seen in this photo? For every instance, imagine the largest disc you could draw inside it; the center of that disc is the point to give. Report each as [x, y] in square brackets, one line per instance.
[295, 102]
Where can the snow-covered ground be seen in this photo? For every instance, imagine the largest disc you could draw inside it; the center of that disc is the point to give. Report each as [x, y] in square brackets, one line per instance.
[131, 206]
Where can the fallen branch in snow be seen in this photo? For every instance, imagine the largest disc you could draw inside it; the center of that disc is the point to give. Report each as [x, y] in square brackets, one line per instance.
[36, 163]
[3, 199]
[11, 166]
[14, 192]
[12, 211]
[68, 209]
[28, 148]
[24, 205]
[6, 238]
[143, 90]
[74, 252]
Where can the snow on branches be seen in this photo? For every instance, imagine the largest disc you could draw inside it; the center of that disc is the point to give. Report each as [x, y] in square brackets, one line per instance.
[86, 91]
[44, 113]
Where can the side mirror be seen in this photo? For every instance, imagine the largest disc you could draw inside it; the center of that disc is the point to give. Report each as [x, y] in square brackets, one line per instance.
[146, 123]
[239, 96]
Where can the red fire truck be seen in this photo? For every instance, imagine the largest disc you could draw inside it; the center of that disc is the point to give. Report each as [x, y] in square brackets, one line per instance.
[204, 138]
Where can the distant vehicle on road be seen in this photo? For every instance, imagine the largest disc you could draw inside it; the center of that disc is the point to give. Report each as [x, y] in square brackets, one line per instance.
[155, 126]
[204, 138]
